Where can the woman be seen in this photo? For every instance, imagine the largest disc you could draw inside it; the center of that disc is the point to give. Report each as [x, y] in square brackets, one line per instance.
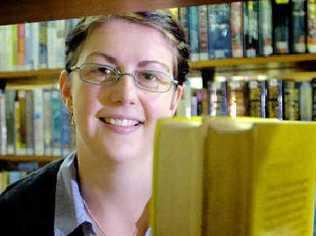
[123, 72]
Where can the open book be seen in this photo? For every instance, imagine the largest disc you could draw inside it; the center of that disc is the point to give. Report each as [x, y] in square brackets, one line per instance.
[233, 177]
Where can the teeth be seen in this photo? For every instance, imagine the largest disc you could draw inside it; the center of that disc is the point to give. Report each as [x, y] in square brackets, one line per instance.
[121, 122]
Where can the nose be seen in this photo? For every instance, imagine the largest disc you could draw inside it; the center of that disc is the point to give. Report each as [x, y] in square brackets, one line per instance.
[124, 91]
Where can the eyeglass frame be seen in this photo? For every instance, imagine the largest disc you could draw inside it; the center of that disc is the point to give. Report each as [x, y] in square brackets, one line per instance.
[120, 74]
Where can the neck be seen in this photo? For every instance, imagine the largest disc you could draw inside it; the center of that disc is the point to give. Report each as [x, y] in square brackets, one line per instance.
[116, 192]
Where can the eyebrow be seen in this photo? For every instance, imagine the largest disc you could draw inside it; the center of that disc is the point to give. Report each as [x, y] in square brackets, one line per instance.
[105, 56]
[115, 62]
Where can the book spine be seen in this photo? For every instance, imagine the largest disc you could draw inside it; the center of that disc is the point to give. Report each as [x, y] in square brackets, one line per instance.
[43, 54]
[218, 98]
[35, 45]
[38, 122]
[3, 58]
[219, 34]
[203, 32]
[298, 26]
[237, 98]
[251, 35]
[236, 24]
[257, 98]
[29, 123]
[194, 32]
[47, 122]
[28, 46]
[265, 27]
[3, 127]
[275, 98]
[10, 120]
[21, 46]
[56, 122]
[291, 100]
[66, 137]
[60, 43]
[281, 23]
[21, 123]
[313, 84]
[183, 19]
[306, 101]
[311, 26]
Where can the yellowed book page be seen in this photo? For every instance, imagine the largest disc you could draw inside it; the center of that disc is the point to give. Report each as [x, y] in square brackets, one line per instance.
[226, 181]
[284, 179]
[177, 183]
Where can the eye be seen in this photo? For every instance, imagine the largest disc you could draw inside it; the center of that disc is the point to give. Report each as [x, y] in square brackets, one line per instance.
[104, 70]
[150, 76]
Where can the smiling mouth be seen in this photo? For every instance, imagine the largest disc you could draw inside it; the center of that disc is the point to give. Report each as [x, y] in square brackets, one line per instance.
[120, 122]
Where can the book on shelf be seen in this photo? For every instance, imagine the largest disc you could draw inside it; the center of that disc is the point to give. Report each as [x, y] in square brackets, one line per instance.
[251, 34]
[236, 27]
[298, 26]
[36, 123]
[311, 26]
[227, 176]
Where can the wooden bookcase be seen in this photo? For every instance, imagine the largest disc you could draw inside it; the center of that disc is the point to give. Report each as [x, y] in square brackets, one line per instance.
[13, 12]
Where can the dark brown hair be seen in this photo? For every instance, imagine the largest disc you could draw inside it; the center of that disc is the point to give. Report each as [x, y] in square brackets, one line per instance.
[163, 21]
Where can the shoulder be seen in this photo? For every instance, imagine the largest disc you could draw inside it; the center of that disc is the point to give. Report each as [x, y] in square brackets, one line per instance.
[31, 199]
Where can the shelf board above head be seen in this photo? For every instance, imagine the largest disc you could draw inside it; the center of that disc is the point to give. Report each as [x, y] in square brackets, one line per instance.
[29, 79]
[39, 159]
[13, 12]
[276, 63]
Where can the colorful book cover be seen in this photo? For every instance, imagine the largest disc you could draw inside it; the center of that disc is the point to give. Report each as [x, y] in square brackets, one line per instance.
[311, 26]
[236, 26]
[281, 24]
[194, 36]
[298, 26]
[265, 27]
[219, 34]
[32, 45]
[291, 96]
[251, 35]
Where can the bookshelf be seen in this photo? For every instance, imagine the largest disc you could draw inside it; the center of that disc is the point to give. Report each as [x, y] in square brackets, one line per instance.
[39, 159]
[37, 10]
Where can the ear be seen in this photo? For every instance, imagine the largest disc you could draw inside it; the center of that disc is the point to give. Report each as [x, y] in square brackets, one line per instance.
[177, 95]
[65, 89]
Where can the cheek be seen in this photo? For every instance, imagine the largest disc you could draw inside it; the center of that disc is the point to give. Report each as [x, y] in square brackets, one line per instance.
[85, 104]
[158, 107]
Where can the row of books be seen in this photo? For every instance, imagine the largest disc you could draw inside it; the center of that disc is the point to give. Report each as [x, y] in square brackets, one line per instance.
[34, 122]
[9, 177]
[241, 177]
[239, 96]
[250, 28]
[34, 45]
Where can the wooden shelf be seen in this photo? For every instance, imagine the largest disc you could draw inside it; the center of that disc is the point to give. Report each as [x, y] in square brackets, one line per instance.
[23, 74]
[40, 159]
[272, 61]
[12, 12]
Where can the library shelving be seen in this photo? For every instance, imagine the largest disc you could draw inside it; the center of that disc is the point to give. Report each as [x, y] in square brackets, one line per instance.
[36, 10]
[20, 158]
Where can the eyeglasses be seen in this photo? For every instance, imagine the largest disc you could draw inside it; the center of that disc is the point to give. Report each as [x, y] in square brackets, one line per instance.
[149, 80]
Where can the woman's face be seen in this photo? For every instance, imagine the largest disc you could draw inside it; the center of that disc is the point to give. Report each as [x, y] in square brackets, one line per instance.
[118, 121]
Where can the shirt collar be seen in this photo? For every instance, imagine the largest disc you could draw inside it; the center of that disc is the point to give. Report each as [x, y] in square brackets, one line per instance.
[70, 212]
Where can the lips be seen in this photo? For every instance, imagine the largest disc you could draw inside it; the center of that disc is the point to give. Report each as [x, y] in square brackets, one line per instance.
[121, 122]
